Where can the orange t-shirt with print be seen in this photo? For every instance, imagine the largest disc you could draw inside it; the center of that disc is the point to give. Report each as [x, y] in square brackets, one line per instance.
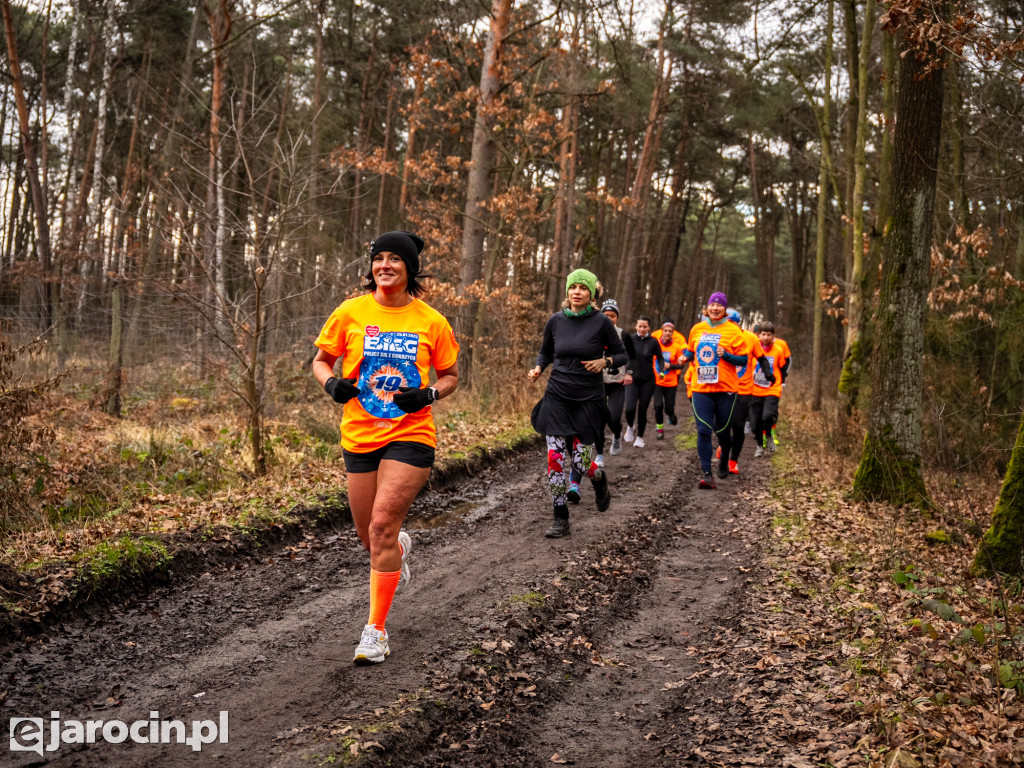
[671, 354]
[746, 373]
[777, 355]
[385, 348]
[715, 374]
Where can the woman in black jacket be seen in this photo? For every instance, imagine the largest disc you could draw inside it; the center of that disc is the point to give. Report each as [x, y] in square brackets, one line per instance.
[579, 343]
[640, 392]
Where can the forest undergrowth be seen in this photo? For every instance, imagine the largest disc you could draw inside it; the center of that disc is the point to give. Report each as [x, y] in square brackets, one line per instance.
[179, 459]
[929, 661]
[871, 612]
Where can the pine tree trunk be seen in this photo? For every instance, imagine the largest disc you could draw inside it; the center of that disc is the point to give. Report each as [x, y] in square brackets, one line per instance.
[853, 356]
[32, 171]
[635, 219]
[821, 242]
[478, 184]
[890, 466]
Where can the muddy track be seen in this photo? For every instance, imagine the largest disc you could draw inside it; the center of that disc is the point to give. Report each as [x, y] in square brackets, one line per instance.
[507, 647]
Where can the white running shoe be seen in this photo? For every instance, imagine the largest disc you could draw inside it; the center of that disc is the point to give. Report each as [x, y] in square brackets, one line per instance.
[629, 435]
[616, 446]
[758, 452]
[373, 646]
[746, 428]
[639, 443]
[405, 541]
[599, 460]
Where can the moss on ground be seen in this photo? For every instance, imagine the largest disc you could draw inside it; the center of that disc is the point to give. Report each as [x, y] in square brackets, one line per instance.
[121, 559]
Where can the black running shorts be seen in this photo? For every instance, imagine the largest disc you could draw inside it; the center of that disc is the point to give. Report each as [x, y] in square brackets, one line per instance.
[405, 451]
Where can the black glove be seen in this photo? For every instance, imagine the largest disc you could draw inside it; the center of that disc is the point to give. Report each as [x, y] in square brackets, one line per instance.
[411, 400]
[771, 378]
[342, 390]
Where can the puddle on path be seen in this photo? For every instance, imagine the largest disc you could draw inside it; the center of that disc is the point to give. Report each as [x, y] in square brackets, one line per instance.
[437, 512]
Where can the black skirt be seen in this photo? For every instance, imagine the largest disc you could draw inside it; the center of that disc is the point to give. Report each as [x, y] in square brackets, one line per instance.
[554, 415]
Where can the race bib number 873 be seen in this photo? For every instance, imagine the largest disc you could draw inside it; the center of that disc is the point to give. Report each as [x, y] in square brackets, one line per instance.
[707, 358]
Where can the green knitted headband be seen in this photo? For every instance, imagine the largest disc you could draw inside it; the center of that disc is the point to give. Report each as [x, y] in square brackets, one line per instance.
[583, 277]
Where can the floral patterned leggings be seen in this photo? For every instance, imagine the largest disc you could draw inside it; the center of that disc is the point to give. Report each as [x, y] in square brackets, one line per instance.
[582, 460]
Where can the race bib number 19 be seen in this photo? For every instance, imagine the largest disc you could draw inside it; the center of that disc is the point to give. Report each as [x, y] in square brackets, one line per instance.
[707, 358]
[389, 362]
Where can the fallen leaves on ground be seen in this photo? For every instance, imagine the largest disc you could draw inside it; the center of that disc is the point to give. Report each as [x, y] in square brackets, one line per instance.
[871, 644]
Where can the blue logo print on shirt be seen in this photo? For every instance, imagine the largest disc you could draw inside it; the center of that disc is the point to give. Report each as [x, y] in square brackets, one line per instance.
[389, 362]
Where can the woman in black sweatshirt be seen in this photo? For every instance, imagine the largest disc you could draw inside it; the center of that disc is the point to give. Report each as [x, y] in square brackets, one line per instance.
[579, 343]
[640, 392]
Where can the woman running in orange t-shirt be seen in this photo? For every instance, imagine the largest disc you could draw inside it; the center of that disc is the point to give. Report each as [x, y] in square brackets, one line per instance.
[387, 341]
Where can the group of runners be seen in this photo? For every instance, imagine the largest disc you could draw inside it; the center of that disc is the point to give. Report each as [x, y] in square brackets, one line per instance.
[388, 339]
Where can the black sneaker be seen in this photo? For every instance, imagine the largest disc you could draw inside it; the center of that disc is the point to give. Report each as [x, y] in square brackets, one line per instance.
[559, 528]
[707, 482]
[723, 468]
[673, 420]
[602, 494]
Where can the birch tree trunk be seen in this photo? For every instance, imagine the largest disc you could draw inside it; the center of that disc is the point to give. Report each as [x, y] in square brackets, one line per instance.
[94, 228]
[890, 465]
[219, 21]
[478, 183]
[166, 201]
[565, 199]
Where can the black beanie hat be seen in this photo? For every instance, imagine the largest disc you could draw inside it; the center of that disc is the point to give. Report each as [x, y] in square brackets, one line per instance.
[405, 244]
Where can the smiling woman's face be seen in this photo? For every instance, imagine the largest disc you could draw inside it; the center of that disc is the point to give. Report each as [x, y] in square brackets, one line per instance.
[389, 272]
[716, 311]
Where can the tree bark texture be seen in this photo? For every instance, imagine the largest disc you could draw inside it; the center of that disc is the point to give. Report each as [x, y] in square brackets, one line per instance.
[635, 220]
[1002, 547]
[821, 239]
[890, 466]
[478, 184]
[29, 152]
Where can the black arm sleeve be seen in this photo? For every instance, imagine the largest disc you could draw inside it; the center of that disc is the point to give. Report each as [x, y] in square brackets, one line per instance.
[627, 341]
[784, 369]
[766, 368]
[547, 347]
[616, 349]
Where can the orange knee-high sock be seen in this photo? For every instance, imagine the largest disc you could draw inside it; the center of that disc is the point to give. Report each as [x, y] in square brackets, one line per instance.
[382, 592]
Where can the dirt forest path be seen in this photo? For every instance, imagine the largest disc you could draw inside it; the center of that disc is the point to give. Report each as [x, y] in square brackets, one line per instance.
[507, 648]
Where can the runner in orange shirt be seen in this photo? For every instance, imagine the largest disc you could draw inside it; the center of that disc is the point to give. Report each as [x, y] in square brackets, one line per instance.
[785, 375]
[764, 406]
[672, 346]
[745, 374]
[387, 341]
[717, 348]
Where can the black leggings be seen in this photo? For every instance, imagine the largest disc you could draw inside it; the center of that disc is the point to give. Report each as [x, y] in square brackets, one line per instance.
[616, 394]
[639, 393]
[765, 412]
[739, 421]
[668, 395]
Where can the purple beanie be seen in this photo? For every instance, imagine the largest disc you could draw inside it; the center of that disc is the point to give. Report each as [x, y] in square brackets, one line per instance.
[718, 298]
